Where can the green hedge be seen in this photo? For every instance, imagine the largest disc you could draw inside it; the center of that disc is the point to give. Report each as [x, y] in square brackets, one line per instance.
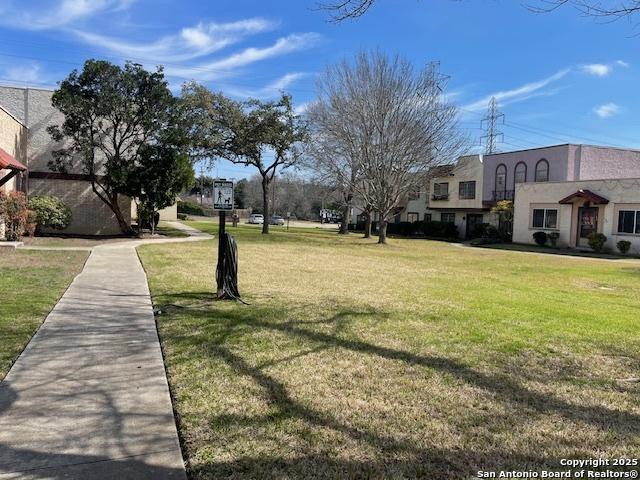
[191, 208]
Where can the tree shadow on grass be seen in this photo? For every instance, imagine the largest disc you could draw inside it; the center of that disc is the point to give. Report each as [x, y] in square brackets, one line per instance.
[399, 458]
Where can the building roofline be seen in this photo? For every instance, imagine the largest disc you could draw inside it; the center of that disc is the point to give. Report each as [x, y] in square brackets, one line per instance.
[604, 147]
[28, 87]
[12, 116]
[526, 184]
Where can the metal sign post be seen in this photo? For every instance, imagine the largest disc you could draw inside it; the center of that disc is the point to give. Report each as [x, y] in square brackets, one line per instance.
[227, 269]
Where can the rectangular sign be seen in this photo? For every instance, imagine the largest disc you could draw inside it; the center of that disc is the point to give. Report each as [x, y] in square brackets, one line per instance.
[222, 195]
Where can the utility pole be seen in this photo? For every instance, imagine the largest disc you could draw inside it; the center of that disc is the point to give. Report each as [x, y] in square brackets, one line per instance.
[490, 123]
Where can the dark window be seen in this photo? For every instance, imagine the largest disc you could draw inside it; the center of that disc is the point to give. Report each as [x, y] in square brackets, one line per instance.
[542, 171]
[538, 218]
[638, 222]
[627, 221]
[412, 217]
[520, 174]
[448, 217]
[501, 178]
[427, 217]
[545, 218]
[441, 189]
[467, 190]
[551, 219]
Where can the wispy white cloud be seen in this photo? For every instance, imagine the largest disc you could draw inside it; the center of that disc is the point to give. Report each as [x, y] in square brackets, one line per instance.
[597, 69]
[603, 69]
[190, 43]
[272, 89]
[524, 92]
[227, 66]
[607, 110]
[25, 74]
[42, 15]
[31, 73]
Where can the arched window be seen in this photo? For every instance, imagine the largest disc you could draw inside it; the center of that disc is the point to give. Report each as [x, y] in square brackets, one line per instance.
[501, 178]
[520, 174]
[542, 171]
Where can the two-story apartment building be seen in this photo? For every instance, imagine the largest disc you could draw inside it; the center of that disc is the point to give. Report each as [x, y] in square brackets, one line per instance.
[570, 189]
[456, 195]
[574, 190]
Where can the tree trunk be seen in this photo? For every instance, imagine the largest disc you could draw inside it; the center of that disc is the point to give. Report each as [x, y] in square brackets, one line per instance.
[344, 223]
[265, 205]
[111, 200]
[125, 227]
[382, 232]
[367, 224]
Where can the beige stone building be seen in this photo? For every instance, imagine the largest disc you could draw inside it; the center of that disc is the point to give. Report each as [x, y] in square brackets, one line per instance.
[13, 143]
[29, 111]
[576, 209]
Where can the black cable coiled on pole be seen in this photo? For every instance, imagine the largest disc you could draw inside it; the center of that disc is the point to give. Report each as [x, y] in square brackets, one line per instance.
[227, 269]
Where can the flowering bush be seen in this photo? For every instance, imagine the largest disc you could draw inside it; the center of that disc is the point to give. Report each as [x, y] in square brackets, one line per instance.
[14, 213]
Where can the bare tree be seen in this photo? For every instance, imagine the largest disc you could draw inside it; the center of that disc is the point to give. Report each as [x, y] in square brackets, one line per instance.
[594, 8]
[345, 9]
[340, 10]
[391, 122]
[331, 153]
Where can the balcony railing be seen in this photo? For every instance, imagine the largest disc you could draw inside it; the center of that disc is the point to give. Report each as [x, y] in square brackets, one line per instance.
[442, 196]
[503, 195]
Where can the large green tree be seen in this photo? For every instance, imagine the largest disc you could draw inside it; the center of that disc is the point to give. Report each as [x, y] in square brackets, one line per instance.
[267, 135]
[117, 122]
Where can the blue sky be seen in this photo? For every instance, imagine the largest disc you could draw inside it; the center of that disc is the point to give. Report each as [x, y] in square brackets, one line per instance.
[559, 77]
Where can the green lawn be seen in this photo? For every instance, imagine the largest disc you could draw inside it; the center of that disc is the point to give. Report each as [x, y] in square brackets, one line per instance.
[416, 360]
[31, 283]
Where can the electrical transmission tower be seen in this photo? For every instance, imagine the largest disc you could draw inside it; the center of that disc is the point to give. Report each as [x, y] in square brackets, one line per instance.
[490, 124]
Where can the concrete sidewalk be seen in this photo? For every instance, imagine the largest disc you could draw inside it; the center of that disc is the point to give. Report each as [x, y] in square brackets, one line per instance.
[88, 398]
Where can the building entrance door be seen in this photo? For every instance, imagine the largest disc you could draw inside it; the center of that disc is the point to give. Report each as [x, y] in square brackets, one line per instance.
[587, 224]
[473, 219]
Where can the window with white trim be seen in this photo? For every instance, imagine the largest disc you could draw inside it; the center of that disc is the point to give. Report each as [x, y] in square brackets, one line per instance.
[629, 221]
[545, 218]
[467, 190]
[412, 217]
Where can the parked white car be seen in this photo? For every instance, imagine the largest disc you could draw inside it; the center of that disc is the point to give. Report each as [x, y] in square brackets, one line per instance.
[256, 219]
[277, 220]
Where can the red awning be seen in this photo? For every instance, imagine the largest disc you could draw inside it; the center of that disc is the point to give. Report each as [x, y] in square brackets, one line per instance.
[588, 195]
[7, 161]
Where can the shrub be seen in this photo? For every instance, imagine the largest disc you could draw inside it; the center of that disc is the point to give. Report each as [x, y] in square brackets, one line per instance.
[597, 241]
[553, 238]
[404, 228]
[486, 231]
[51, 212]
[623, 246]
[32, 223]
[439, 229]
[190, 208]
[14, 212]
[540, 238]
[182, 216]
